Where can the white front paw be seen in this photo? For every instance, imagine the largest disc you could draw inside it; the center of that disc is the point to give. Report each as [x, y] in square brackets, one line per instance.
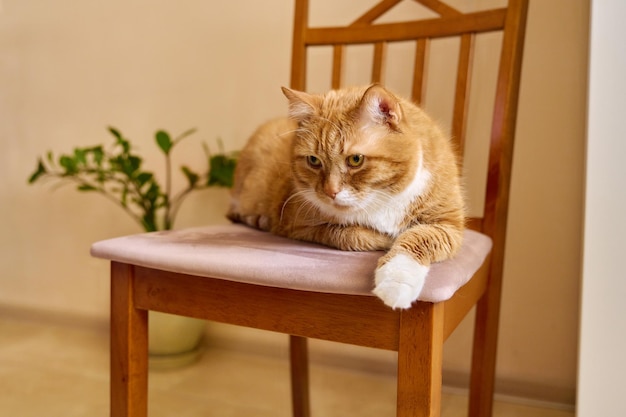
[400, 281]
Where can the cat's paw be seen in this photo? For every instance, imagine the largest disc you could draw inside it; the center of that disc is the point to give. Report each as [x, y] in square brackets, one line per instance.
[400, 281]
[257, 221]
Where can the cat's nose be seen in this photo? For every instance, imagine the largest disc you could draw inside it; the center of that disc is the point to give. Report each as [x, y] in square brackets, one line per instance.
[331, 191]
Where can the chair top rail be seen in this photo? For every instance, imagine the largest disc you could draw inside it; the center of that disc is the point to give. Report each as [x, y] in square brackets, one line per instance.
[483, 21]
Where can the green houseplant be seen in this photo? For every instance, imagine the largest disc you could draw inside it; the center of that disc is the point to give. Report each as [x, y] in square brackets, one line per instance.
[116, 173]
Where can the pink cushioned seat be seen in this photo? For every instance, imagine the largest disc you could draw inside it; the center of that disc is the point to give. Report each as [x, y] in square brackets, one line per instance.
[239, 253]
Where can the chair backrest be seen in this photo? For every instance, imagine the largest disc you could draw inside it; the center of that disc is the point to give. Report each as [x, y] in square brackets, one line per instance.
[509, 21]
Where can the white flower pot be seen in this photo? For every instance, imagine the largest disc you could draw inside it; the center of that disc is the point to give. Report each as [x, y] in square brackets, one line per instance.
[174, 341]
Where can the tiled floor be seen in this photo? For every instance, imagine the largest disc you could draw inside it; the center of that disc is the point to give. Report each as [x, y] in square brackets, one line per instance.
[52, 370]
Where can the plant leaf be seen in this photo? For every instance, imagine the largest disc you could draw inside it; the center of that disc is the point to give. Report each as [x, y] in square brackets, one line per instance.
[69, 164]
[126, 164]
[115, 132]
[80, 156]
[120, 139]
[143, 178]
[86, 187]
[133, 164]
[149, 222]
[183, 135]
[41, 170]
[222, 170]
[164, 141]
[192, 177]
[98, 155]
[152, 194]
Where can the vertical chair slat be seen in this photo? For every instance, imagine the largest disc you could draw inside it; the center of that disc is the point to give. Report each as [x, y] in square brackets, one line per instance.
[461, 96]
[421, 51]
[419, 70]
[378, 68]
[298, 51]
[337, 75]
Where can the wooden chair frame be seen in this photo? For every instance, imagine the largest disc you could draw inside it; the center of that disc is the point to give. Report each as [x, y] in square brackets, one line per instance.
[417, 334]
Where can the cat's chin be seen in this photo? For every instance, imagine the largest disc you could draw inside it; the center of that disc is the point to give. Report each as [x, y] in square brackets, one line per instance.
[342, 214]
[334, 209]
[343, 203]
[336, 205]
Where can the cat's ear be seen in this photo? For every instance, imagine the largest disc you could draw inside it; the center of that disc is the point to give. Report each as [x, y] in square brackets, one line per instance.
[301, 104]
[380, 107]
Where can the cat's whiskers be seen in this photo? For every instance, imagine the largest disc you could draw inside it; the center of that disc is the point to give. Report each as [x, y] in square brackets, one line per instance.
[291, 197]
[382, 198]
[288, 132]
[305, 203]
[313, 203]
[309, 206]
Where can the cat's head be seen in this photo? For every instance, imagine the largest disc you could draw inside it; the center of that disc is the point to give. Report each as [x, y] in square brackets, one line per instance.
[354, 149]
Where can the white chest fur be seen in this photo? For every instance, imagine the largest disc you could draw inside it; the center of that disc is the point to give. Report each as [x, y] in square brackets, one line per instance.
[386, 212]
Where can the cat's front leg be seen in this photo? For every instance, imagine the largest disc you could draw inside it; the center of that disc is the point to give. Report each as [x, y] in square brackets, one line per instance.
[400, 280]
[348, 238]
[402, 272]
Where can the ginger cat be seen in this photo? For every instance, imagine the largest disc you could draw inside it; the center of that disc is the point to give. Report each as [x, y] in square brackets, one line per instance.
[357, 169]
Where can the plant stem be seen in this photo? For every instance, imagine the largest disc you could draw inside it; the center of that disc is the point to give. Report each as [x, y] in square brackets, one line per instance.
[170, 213]
[178, 199]
[167, 223]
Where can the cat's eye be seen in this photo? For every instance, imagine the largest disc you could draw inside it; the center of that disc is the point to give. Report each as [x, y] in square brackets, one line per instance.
[314, 161]
[355, 161]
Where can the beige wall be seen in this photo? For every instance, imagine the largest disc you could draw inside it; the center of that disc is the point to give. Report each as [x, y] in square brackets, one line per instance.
[68, 69]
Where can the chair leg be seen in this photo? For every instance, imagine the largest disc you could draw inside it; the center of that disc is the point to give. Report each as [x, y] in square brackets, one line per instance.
[420, 353]
[299, 357]
[129, 347]
[482, 382]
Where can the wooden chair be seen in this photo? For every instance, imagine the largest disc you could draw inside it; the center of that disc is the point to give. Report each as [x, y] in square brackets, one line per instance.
[191, 272]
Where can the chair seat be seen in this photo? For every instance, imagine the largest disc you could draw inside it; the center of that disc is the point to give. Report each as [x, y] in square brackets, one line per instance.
[239, 253]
